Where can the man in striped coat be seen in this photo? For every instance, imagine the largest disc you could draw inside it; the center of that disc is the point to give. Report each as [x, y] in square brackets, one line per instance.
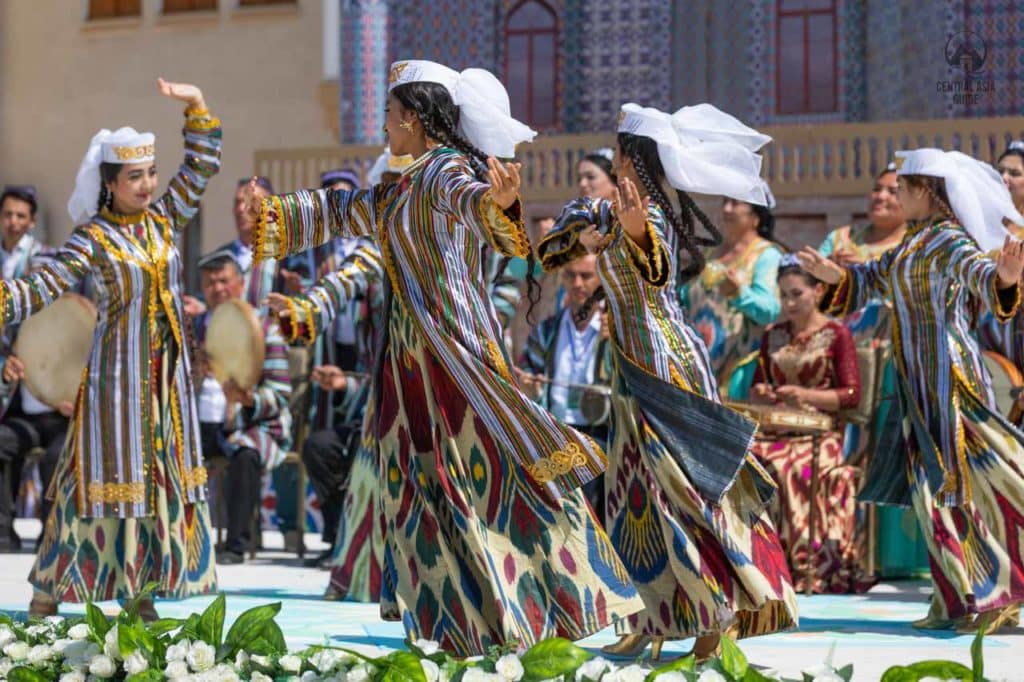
[252, 428]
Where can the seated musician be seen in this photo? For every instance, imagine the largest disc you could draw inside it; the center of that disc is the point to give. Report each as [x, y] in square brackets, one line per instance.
[565, 353]
[252, 428]
[25, 422]
[808, 362]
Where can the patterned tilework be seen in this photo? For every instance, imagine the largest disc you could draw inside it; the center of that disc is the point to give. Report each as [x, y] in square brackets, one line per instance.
[458, 33]
[1000, 23]
[364, 63]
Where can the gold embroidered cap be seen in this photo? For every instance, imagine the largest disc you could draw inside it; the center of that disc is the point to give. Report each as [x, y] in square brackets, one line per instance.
[124, 145]
[129, 147]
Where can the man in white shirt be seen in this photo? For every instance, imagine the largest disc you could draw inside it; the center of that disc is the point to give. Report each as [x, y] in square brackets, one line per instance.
[26, 423]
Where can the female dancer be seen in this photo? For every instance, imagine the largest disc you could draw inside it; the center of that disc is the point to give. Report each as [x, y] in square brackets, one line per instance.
[690, 528]
[487, 538]
[129, 505]
[952, 456]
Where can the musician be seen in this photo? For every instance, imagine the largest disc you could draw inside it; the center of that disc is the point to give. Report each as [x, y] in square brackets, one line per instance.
[26, 423]
[260, 276]
[809, 362]
[252, 428]
[565, 353]
[948, 454]
[678, 472]
[129, 505]
[477, 487]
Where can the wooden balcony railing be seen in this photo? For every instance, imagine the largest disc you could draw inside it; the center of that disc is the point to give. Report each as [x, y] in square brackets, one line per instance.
[834, 160]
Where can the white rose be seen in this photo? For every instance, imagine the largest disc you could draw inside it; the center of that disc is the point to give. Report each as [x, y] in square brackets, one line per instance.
[241, 659]
[80, 631]
[5, 667]
[176, 670]
[223, 673]
[428, 646]
[474, 675]
[309, 676]
[176, 652]
[135, 663]
[262, 661]
[17, 651]
[430, 669]
[6, 635]
[325, 660]
[79, 652]
[360, 673]
[200, 656]
[54, 620]
[260, 677]
[73, 676]
[831, 676]
[509, 668]
[290, 663]
[37, 630]
[40, 653]
[102, 666]
[711, 675]
[110, 646]
[634, 673]
[594, 668]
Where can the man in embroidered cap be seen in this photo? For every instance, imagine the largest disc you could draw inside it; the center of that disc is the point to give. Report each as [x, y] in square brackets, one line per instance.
[251, 427]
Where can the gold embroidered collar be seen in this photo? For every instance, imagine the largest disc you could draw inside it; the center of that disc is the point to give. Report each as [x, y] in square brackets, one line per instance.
[122, 218]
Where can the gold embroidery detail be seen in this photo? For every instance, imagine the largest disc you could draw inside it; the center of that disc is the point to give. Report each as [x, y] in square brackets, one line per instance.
[112, 493]
[559, 463]
[498, 360]
[132, 153]
[396, 72]
[196, 477]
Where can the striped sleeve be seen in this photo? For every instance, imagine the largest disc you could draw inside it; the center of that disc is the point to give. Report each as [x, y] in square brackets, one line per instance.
[458, 193]
[275, 387]
[202, 161]
[291, 223]
[960, 255]
[22, 297]
[859, 284]
[562, 244]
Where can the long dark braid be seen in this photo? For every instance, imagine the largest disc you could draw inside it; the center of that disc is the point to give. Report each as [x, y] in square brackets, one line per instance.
[643, 152]
[108, 173]
[440, 120]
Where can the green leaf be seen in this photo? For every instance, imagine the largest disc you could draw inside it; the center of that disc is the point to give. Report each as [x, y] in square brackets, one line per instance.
[23, 673]
[846, 672]
[98, 623]
[687, 663]
[754, 675]
[733, 660]
[400, 666]
[274, 637]
[945, 670]
[164, 625]
[977, 659]
[150, 675]
[127, 639]
[248, 627]
[211, 623]
[552, 658]
[190, 630]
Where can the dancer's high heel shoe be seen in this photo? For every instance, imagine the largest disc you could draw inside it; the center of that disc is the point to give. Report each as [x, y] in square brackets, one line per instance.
[41, 607]
[631, 646]
[705, 647]
[931, 622]
[992, 621]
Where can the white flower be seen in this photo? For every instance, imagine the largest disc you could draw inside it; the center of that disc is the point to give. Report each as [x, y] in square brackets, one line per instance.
[290, 663]
[594, 668]
[40, 653]
[102, 665]
[710, 675]
[509, 668]
[176, 670]
[177, 652]
[326, 660]
[135, 663]
[54, 620]
[6, 635]
[430, 669]
[309, 676]
[222, 673]
[200, 656]
[110, 646]
[672, 676]
[37, 630]
[17, 651]
[241, 659]
[474, 675]
[80, 631]
[79, 652]
[827, 676]
[257, 676]
[428, 646]
[5, 667]
[634, 673]
[360, 673]
[73, 676]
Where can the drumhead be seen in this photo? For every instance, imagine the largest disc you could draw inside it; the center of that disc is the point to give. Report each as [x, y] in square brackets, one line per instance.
[55, 344]
[595, 404]
[234, 344]
[1005, 376]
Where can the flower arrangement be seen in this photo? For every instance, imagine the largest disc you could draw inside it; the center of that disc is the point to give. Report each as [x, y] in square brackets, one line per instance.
[253, 648]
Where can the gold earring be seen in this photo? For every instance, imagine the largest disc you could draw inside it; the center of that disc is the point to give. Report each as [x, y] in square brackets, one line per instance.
[407, 126]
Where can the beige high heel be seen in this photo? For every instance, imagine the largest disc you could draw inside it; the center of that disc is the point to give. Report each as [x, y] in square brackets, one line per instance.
[992, 621]
[702, 650]
[41, 607]
[931, 622]
[628, 646]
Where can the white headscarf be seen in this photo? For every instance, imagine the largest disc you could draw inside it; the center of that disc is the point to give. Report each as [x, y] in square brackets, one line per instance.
[125, 145]
[387, 163]
[485, 116]
[703, 149]
[977, 194]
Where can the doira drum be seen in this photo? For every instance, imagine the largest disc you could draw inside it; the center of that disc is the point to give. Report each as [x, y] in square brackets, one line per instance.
[234, 344]
[778, 419]
[54, 344]
[1005, 378]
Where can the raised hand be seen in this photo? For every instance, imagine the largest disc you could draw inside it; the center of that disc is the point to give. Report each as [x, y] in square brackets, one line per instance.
[505, 181]
[292, 281]
[631, 211]
[14, 369]
[820, 267]
[329, 377]
[278, 304]
[594, 241]
[185, 92]
[1010, 264]
[253, 201]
